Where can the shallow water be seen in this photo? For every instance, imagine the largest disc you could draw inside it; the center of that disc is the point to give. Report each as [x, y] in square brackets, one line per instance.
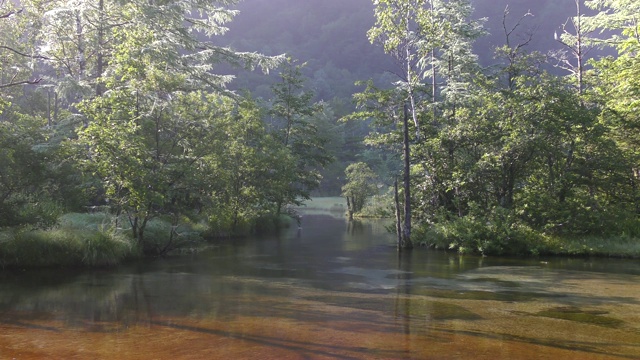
[331, 290]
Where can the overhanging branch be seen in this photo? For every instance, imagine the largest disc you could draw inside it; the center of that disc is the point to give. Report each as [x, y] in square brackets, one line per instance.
[23, 54]
[25, 82]
[10, 13]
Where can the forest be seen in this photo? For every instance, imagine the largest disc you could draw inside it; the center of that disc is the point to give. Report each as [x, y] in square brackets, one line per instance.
[144, 127]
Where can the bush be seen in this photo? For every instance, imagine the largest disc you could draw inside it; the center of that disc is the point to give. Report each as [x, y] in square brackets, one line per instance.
[161, 237]
[494, 232]
[105, 249]
[271, 224]
[379, 206]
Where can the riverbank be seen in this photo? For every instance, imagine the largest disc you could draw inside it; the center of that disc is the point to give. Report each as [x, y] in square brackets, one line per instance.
[78, 240]
[93, 240]
[502, 236]
[509, 237]
[548, 245]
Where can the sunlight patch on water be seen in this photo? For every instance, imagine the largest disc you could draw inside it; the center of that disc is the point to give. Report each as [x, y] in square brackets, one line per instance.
[373, 279]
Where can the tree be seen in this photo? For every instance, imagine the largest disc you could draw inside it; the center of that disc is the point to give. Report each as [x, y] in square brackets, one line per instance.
[619, 78]
[22, 170]
[294, 124]
[576, 45]
[17, 55]
[429, 40]
[24, 175]
[361, 184]
[244, 159]
[80, 37]
[149, 133]
[398, 29]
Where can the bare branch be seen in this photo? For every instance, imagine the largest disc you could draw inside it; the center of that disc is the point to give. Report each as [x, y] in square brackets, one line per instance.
[16, 83]
[510, 31]
[23, 54]
[10, 14]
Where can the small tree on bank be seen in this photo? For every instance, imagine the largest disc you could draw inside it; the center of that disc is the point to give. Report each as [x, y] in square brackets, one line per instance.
[361, 184]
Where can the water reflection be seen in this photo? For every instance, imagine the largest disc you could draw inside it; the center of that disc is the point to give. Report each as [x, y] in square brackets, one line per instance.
[329, 290]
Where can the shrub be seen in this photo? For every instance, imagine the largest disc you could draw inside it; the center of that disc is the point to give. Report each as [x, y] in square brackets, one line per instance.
[379, 206]
[105, 249]
[161, 236]
[494, 232]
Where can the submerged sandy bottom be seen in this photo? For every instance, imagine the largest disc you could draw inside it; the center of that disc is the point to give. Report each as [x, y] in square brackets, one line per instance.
[567, 316]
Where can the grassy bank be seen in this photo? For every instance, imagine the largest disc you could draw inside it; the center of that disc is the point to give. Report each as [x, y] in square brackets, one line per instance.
[78, 240]
[91, 240]
[468, 236]
[97, 240]
[336, 206]
[615, 246]
[501, 234]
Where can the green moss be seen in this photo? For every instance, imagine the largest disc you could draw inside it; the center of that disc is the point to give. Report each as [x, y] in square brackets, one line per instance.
[483, 295]
[571, 313]
[414, 307]
[442, 311]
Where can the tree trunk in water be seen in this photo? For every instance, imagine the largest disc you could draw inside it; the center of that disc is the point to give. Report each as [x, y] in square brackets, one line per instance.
[349, 208]
[396, 199]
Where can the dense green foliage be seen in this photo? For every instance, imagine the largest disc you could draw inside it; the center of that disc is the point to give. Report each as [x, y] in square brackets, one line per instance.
[141, 109]
[507, 156]
[361, 185]
[131, 117]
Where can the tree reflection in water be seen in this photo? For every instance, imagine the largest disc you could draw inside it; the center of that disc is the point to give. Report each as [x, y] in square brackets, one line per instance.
[337, 289]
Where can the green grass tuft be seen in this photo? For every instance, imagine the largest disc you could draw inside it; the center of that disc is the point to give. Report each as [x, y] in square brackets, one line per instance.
[82, 240]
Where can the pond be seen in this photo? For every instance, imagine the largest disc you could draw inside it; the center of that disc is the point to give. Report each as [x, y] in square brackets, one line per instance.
[330, 290]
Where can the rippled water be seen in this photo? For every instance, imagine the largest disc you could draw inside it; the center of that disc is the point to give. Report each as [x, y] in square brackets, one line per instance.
[331, 290]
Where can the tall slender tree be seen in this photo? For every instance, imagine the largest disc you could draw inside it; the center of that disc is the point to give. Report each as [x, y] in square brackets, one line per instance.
[430, 40]
[294, 123]
[576, 47]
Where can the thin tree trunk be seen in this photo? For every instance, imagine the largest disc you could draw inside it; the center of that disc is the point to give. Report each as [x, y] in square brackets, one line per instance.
[49, 122]
[396, 199]
[100, 57]
[409, 71]
[55, 107]
[349, 208]
[406, 231]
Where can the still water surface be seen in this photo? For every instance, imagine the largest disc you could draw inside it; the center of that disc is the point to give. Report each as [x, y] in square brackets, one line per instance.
[331, 290]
